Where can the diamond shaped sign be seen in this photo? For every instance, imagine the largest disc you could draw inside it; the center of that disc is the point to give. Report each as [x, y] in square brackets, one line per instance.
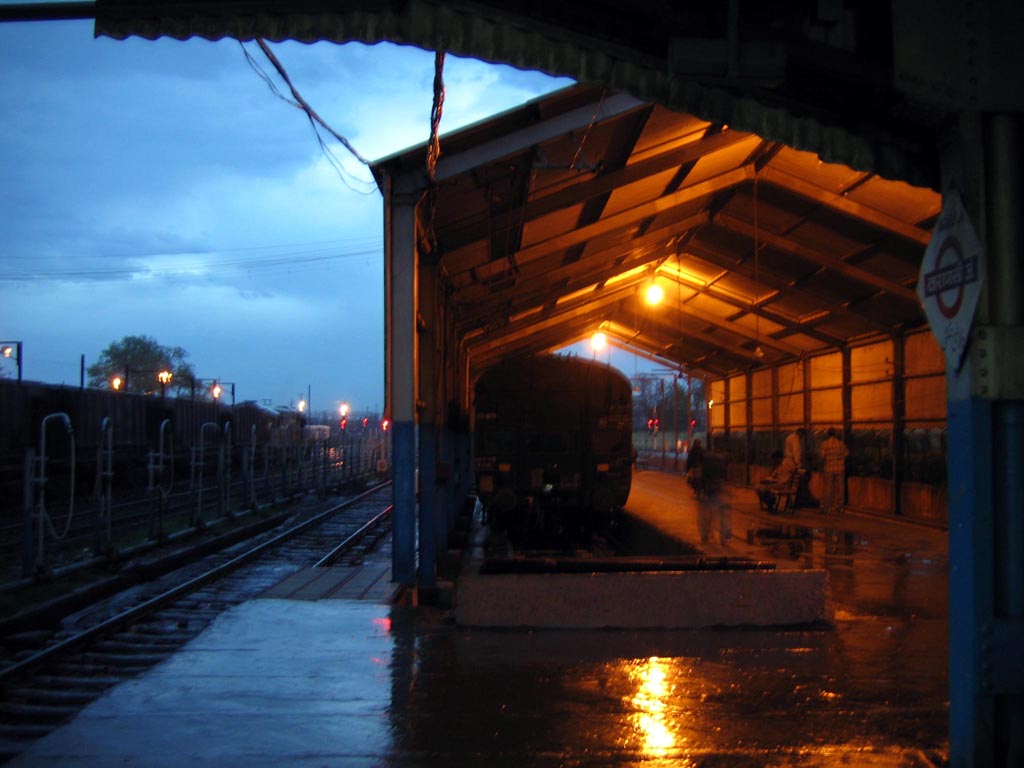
[952, 274]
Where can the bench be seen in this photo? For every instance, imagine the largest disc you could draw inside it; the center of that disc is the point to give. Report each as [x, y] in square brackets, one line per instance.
[779, 498]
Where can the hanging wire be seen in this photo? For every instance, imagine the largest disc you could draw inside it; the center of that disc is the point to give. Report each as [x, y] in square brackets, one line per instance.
[434, 145]
[436, 110]
[586, 134]
[315, 120]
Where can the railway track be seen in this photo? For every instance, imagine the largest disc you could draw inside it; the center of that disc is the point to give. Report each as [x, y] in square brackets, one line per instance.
[55, 674]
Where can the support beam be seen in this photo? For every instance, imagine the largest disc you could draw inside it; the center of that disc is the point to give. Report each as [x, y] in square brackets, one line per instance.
[846, 206]
[526, 138]
[606, 183]
[784, 285]
[814, 256]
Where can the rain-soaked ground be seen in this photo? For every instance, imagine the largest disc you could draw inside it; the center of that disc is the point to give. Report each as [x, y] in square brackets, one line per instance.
[330, 683]
[871, 690]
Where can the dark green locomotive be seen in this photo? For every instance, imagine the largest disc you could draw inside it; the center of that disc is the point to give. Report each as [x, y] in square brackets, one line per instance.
[553, 443]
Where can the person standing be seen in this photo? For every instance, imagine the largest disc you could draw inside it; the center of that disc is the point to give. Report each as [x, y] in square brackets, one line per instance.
[793, 450]
[713, 504]
[695, 467]
[833, 456]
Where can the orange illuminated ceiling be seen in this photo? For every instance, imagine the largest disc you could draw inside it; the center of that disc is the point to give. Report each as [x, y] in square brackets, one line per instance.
[553, 219]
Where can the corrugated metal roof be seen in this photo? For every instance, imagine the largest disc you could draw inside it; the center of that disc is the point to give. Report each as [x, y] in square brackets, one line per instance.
[552, 220]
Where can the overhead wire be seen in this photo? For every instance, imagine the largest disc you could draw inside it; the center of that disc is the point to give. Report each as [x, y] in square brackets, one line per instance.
[208, 263]
[314, 118]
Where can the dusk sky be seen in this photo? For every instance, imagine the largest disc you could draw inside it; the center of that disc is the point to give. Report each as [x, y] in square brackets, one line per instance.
[161, 188]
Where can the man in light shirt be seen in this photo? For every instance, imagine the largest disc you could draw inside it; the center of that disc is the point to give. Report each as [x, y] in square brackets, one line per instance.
[793, 450]
[833, 457]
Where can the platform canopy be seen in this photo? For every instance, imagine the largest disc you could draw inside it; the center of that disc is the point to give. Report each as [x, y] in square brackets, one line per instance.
[550, 222]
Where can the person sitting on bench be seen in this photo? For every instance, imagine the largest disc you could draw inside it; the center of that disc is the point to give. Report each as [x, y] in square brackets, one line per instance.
[779, 478]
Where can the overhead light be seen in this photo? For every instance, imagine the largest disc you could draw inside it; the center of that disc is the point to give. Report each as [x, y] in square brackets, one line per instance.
[655, 294]
[758, 352]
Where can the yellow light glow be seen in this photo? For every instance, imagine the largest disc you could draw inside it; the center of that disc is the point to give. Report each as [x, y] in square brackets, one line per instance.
[343, 409]
[302, 406]
[655, 294]
[651, 718]
[116, 382]
[216, 391]
[8, 351]
[710, 403]
[165, 377]
[598, 341]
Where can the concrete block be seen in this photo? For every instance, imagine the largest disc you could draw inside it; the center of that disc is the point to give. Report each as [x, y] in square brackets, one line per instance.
[638, 600]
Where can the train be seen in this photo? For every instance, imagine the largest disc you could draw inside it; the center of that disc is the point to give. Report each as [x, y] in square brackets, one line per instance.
[553, 443]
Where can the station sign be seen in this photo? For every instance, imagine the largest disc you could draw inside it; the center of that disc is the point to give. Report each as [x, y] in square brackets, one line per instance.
[952, 275]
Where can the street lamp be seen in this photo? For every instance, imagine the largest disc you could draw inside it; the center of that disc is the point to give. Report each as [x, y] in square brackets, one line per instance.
[216, 388]
[12, 350]
[302, 404]
[164, 376]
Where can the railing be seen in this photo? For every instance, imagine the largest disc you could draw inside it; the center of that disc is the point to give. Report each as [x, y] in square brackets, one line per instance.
[138, 502]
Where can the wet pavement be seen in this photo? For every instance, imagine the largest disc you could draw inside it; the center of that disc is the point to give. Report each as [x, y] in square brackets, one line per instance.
[355, 683]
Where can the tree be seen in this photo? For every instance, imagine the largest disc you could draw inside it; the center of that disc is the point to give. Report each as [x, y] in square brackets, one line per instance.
[137, 360]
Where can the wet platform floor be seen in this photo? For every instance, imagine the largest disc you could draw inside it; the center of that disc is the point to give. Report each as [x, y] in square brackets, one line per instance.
[283, 682]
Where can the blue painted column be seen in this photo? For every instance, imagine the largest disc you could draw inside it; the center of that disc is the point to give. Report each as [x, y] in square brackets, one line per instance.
[985, 164]
[400, 361]
[428, 510]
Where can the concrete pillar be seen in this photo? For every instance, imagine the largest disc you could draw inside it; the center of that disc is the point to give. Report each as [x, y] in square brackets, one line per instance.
[400, 276]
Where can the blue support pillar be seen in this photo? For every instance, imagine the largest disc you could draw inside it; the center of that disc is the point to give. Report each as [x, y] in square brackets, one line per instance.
[401, 369]
[970, 583]
[428, 505]
[984, 163]
[403, 543]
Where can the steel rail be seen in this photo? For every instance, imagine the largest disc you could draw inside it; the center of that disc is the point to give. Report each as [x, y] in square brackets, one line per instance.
[132, 614]
[339, 550]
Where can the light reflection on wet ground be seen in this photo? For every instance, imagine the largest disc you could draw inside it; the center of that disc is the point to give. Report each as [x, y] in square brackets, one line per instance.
[867, 693]
[870, 691]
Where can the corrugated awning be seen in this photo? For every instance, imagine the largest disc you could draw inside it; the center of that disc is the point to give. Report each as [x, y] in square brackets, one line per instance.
[634, 52]
[552, 221]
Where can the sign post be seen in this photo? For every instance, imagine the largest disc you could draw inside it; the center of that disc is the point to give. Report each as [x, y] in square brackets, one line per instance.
[952, 274]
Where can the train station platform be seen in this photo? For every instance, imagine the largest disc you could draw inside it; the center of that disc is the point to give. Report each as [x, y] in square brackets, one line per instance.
[281, 681]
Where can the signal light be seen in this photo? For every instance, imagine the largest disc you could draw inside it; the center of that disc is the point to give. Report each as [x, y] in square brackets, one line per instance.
[343, 423]
[385, 424]
[365, 422]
